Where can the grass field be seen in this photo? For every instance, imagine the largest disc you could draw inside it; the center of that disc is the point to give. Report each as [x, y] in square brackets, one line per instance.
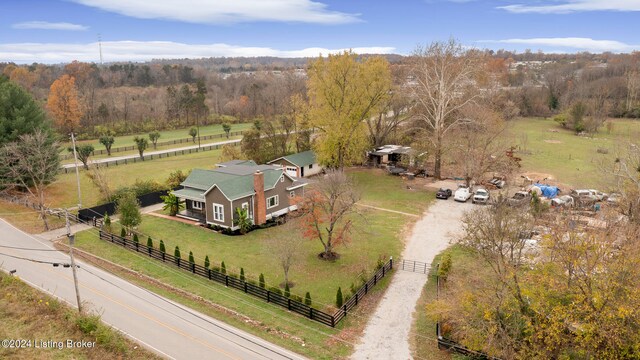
[166, 135]
[547, 148]
[29, 314]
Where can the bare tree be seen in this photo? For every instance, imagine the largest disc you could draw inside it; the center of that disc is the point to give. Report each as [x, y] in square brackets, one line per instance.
[444, 83]
[285, 248]
[100, 179]
[32, 163]
[327, 211]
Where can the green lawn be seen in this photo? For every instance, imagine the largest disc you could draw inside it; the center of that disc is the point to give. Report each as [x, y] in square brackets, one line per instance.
[571, 159]
[166, 135]
[63, 192]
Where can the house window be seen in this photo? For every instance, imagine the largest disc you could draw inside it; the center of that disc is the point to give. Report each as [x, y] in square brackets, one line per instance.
[272, 202]
[198, 205]
[292, 194]
[218, 212]
[245, 206]
[311, 166]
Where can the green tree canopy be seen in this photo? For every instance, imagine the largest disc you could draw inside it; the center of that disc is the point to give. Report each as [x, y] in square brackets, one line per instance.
[19, 113]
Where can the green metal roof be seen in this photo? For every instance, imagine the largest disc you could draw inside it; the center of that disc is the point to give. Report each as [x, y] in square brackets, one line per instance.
[190, 193]
[300, 159]
[234, 183]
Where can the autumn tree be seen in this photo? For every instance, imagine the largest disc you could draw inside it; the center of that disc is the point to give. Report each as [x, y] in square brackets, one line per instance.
[31, 163]
[252, 146]
[327, 212]
[343, 93]
[64, 105]
[100, 179]
[391, 114]
[230, 152]
[19, 113]
[83, 152]
[444, 76]
[23, 77]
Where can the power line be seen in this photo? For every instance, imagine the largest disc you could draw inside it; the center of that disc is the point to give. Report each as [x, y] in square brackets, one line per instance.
[26, 249]
[37, 261]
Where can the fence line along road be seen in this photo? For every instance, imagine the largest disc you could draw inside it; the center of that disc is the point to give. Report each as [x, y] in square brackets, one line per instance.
[162, 143]
[133, 158]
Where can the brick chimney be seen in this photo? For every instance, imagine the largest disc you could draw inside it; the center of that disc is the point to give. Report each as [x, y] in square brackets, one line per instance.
[259, 201]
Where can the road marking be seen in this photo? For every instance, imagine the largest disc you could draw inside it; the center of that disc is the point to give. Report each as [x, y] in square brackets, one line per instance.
[389, 210]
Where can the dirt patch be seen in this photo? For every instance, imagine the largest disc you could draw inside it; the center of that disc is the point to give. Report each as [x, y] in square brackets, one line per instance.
[553, 141]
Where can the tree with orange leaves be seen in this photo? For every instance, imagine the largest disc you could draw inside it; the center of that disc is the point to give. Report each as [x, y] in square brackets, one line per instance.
[63, 104]
[326, 212]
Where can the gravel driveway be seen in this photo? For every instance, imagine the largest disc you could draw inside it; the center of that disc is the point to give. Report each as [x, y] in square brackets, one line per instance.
[387, 333]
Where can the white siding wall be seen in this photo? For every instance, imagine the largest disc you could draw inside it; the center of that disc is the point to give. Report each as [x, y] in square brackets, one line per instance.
[313, 171]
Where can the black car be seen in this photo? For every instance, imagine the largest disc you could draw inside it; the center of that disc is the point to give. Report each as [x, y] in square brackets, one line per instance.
[443, 193]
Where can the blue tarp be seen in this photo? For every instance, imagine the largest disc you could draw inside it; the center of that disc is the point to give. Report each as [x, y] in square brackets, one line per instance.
[548, 191]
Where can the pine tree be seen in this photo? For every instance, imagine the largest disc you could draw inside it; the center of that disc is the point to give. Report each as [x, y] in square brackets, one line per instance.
[307, 299]
[149, 242]
[123, 232]
[135, 239]
[223, 268]
[162, 249]
[339, 301]
[176, 252]
[261, 281]
[206, 262]
[191, 260]
[107, 223]
[241, 274]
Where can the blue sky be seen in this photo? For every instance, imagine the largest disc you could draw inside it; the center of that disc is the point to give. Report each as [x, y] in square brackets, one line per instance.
[63, 30]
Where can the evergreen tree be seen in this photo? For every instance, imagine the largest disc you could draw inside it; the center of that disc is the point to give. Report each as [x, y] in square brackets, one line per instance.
[149, 242]
[162, 249]
[261, 281]
[191, 260]
[206, 262]
[19, 113]
[123, 232]
[176, 252]
[242, 278]
[339, 300]
[307, 299]
[223, 268]
[135, 239]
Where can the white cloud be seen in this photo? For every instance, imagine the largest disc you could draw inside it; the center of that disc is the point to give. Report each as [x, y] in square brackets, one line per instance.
[45, 25]
[571, 6]
[225, 11]
[148, 50]
[576, 43]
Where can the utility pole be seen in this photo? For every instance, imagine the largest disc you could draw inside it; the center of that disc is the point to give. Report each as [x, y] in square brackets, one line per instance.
[73, 263]
[75, 160]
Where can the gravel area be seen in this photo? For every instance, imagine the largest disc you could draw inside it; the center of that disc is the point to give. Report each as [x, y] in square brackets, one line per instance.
[387, 333]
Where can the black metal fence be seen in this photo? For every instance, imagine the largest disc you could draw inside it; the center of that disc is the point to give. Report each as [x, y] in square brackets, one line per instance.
[364, 290]
[227, 280]
[162, 143]
[99, 211]
[137, 159]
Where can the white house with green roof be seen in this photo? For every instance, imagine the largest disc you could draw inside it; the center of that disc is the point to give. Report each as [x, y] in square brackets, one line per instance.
[300, 165]
[212, 196]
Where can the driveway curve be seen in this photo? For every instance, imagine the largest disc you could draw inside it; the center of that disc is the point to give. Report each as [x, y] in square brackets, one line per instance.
[387, 333]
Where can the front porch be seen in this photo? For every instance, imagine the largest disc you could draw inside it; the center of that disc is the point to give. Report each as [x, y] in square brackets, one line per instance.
[196, 215]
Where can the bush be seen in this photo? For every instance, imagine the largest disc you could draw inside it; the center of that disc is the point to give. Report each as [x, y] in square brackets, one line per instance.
[176, 252]
[176, 178]
[135, 239]
[296, 298]
[287, 291]
[242, 274]
[191, 260]
[162, 249]
[149, 242]
[107, 223]
[139, 188]
[307, 299]
[123, 232]
[223, 268]
[445, 266]
[339, 300]
[261, 280]
[87, 323]
[275, 290]
[206, 262]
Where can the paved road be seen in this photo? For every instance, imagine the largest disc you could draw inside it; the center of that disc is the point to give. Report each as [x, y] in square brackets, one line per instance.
[387, 333]
[148, 153]
[169, 329]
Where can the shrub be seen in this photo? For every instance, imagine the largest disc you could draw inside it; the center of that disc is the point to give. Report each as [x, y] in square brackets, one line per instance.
[162, 249]
[149, 242]
[107, 223]
[287, 291]
[123, 232]
[176, 178]
[339, 300]
[275, 290]
[191, 260]
[261, 280]
[87, 323]
[445, 266]
[206, 262]
[223, 268]
[176, 252]
[242, 274]
[307, 299]
[296, 298]
[135, 239]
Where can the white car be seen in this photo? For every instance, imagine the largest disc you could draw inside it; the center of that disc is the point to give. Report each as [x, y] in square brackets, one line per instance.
[462, 194]
[599, 194]
[563, 201]
[481, 196]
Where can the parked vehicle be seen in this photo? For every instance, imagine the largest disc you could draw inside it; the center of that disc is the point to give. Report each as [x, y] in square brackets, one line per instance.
[614, 199]
[599, 194]
[481, 196]
[443, 194]
[498, 181]
[563, 201]
[519, 198]
[583, 198]
[462, 194]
